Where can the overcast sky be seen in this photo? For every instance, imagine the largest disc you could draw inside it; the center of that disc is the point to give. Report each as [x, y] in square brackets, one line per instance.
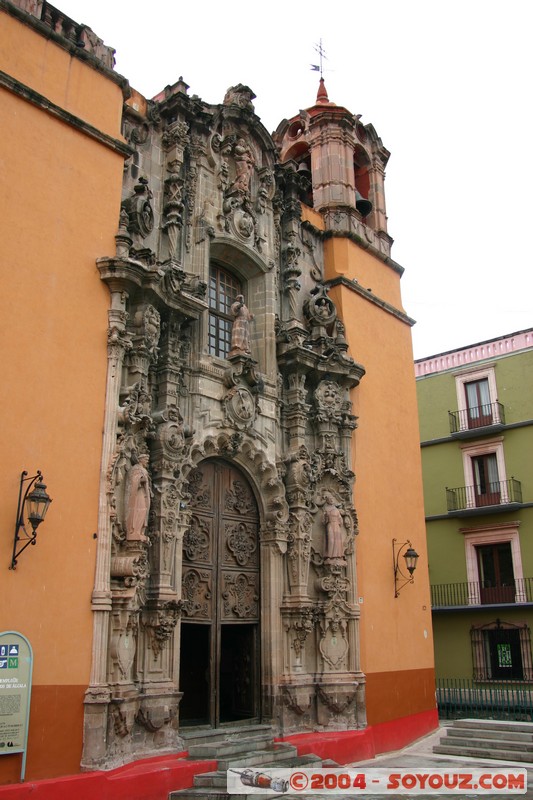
[448, 87]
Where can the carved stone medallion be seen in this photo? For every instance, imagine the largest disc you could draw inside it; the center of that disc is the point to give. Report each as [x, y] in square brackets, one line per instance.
[239, 406]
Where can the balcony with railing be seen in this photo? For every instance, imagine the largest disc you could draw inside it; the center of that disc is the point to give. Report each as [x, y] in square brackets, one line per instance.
[494, 497]
[481, 593]
[469, 422]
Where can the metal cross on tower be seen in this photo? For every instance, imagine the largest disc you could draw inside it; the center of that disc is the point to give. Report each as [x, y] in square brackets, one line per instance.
[322, 55]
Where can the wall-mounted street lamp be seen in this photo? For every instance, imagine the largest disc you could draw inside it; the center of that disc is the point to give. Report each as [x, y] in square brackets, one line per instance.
[411, 558]
[35, 503]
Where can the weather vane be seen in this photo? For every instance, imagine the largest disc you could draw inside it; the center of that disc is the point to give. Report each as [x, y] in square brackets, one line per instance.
[322, 55]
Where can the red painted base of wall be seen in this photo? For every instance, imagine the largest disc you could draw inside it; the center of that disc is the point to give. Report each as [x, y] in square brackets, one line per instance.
[345, 747]
[154, 778]
[149, 779]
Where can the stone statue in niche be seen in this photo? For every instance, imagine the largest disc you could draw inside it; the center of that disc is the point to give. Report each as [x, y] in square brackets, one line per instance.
[240, 332]
[334, 550]
[244, 167]
[137, 500]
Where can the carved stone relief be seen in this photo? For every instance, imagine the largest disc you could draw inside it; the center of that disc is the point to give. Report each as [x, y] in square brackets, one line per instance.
[178, 549]
[242, 544]
[240, 593]
[196, 594]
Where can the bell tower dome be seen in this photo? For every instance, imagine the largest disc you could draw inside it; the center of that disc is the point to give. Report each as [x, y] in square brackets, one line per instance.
[344, 161]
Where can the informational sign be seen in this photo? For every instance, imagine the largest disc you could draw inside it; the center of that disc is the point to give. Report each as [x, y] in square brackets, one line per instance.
[16, 664]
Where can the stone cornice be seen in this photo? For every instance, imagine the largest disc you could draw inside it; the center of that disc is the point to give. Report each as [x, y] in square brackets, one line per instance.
[353, 237]
[46, 105]
[356, 287]
[126, 274]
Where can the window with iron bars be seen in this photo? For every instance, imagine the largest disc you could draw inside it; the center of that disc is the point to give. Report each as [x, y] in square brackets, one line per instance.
[501, 651]
[223, 290]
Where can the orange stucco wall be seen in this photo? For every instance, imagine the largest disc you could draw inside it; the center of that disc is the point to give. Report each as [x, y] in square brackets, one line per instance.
[66, 81]
[59, 206]
[396, 634]
[345, 258]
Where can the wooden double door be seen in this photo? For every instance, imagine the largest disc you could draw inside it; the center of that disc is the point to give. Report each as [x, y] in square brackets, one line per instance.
[220, 627]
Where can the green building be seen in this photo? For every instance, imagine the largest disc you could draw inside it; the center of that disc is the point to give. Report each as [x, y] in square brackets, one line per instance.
[476, 428]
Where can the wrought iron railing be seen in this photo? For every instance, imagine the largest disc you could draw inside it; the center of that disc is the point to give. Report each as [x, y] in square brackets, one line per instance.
[494, 493]
[476, 593]
[468, 419]
[461, 697]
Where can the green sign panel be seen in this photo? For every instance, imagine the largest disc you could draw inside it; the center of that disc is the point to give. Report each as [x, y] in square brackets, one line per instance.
[16, 663]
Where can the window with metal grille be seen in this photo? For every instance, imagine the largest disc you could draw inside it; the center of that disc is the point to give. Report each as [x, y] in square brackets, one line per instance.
[501, 651]
[223, 290]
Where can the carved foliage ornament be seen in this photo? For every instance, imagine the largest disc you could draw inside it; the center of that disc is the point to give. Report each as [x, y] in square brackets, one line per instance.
[298, 699]
[241, 542]
[163, 625]
[200, 491]
[337, 702]
[196, 540]
[239, 499]
[240, 595]
[196, 593]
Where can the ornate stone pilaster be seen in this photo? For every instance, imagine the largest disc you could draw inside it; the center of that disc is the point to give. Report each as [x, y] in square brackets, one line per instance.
[296, 413]
[299, 552]
[273, 547]
[197, 149]
[174, 140]
[98, 693]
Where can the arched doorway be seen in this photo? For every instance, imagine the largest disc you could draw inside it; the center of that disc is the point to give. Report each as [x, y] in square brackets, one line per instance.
[219, 650]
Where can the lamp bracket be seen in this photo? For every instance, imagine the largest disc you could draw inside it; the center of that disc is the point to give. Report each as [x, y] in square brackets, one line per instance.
[19, 524]
[397, 550]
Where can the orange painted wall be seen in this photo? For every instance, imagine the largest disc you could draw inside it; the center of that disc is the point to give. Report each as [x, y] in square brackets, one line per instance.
[396, 634]
[346, 258]
[59, 207]
[72, 84]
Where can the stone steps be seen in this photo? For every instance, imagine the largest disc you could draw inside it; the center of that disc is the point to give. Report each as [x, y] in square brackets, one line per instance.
[487, 744]
[490, 739]
[193, 736]
[472, 752]
[501, 726]
[237, 748]
[269, 755]
[222, 748]
[511, 736]
[219, 778]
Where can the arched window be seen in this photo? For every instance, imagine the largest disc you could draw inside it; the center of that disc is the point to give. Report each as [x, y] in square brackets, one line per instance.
[223, 290]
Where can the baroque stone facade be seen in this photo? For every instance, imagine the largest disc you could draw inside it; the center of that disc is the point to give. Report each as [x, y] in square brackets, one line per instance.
[227, 519]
